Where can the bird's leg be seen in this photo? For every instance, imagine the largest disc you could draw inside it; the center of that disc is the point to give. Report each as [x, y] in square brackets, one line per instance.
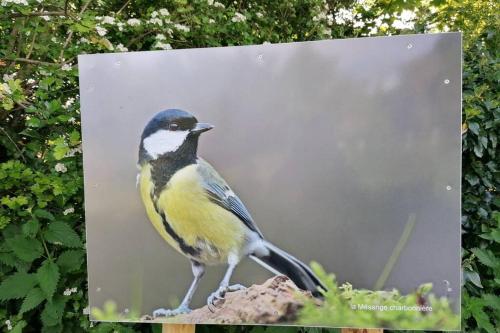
[224, 286]
[198, 271]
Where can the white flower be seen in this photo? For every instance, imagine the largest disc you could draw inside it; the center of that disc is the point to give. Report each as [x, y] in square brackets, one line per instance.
[75, 150]
[68, 103]
[164, 12]
[366, 4]
[266, 43]
[259, 15]
[160, 37]
[8, 322]
[9, 77]
[329, 19]
[154, 14]
[101, 31]
[406, 20]
[66, 67]
[84, 40]
[121, 48]
[45, 17]
[4, 88]
[133, 22]
[163, 46]
[211, 21]
[30, 81]
[120, 26]
[398, 24]
[86, 310]
[238, 17]
[373, 31]
[68, 211]
[343, 15]
[59, 167]
[358, 24]
[156, 21]
[67, 292]
[74, 290]
[16, 2]
[218, 5]
[108, 20]
[408, 15]
[181, 27]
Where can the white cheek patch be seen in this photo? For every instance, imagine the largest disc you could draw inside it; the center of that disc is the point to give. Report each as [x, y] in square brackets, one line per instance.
[163, 141]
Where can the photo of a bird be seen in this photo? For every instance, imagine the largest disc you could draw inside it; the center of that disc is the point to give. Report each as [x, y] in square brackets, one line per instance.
[195, 211]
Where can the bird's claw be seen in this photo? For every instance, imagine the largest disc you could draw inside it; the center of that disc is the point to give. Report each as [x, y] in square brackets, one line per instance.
[219, 294]
[171, 313]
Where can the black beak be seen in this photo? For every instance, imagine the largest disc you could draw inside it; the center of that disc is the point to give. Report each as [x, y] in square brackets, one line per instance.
[202, 127]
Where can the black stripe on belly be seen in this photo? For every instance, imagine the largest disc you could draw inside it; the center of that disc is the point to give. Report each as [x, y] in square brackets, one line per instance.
[187, 249]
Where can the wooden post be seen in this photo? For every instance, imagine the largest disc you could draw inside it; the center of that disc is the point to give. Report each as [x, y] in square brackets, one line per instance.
[362, 330]
[178, 328]
[190, 328]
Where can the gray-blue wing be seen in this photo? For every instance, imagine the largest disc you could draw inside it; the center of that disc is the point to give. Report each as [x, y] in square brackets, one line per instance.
[221, 194]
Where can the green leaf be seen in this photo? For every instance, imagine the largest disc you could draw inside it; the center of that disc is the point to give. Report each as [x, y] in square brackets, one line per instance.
[425, 288]
[25, 249]
[60, 152]
[53, 312]
[492, 301]
[482, 319]
[8, 259]
[478, 150]
[71, 260]
[32, 300]
[31, 228]
[474, 127]
[473, 277]
[61, 233]
[19, 327]
[33, 122]
[16, 286]
[53, 329]
[48, 276]
[472, 179]
[42, 213]
[486, 257]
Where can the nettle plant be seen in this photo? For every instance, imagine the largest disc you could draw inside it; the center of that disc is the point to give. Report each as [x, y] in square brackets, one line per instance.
[42, 249]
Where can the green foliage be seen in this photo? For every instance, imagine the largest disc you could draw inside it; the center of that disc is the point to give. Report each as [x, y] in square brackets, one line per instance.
[16, 285]
[344, 306]
[42, 258]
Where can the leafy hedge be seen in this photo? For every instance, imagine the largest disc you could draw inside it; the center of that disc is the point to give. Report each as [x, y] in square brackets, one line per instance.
[42, 251]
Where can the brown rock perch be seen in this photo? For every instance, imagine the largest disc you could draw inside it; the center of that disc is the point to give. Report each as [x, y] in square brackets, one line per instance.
[275, 301]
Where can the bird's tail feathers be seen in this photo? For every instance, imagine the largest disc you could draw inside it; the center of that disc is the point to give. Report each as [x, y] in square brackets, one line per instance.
[282, 263]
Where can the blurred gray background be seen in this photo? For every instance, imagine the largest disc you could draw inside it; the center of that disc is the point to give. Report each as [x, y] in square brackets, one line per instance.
[331, 145]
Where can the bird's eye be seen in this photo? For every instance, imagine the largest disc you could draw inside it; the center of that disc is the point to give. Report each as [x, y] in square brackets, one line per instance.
[174, 127]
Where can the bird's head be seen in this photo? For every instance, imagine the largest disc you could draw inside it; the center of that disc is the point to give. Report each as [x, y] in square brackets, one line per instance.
[169, 133]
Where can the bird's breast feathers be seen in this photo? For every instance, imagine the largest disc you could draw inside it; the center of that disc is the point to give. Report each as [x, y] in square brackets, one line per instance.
[188, 220]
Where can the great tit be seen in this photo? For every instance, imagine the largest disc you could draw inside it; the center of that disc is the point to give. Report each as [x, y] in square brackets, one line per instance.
[196, 212]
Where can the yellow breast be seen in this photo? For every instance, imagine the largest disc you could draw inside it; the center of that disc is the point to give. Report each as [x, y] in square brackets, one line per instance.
[199, 222]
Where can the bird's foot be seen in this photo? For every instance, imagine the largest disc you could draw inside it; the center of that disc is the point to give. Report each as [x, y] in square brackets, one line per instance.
[171, 313]
[215, 299]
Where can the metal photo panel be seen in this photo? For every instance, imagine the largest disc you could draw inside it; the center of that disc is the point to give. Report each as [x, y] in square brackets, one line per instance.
[310, 184]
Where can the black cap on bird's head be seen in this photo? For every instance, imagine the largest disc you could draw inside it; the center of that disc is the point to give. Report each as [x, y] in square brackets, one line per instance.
[172, 132]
